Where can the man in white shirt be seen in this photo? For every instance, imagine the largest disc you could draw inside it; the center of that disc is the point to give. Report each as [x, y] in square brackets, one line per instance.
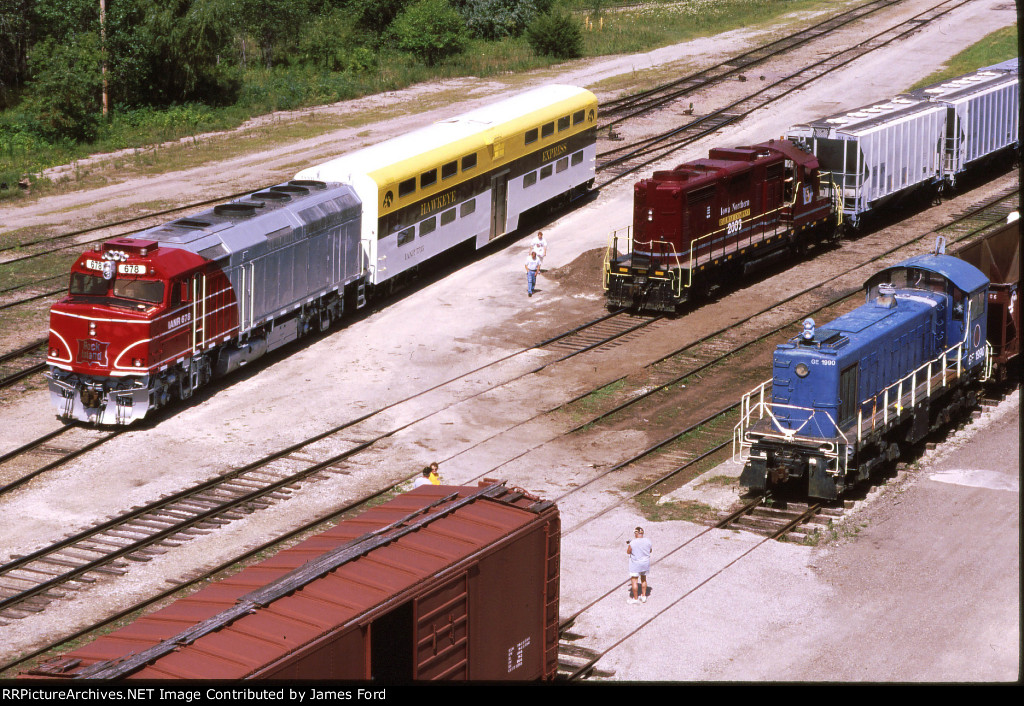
[539, 246]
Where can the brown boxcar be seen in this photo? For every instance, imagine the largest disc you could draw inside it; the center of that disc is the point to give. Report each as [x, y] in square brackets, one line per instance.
[441, 582]
[997, 255]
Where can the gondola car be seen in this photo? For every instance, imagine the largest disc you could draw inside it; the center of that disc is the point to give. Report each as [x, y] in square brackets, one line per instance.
[845, 396]
[446, 583]
[149, 318]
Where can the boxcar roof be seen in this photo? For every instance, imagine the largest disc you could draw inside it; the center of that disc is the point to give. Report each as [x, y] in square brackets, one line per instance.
[330, 582]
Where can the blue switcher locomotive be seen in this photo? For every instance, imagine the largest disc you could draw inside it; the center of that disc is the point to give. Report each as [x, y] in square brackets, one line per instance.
[844, 397]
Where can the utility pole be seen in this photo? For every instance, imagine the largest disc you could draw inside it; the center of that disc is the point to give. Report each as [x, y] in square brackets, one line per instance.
[103, 60]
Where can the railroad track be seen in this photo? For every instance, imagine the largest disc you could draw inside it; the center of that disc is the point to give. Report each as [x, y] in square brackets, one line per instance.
[28, 583]
[626, 159]
[637, 104]
[162, 534]
[22, 362]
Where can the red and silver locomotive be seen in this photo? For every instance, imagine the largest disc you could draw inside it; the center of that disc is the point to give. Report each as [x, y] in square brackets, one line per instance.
[150, 318]
[714, 219]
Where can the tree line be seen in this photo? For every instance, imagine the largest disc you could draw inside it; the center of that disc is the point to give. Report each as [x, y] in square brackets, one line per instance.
[65, 63]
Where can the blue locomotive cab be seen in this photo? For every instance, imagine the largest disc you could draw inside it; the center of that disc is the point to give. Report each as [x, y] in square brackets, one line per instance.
[963, 313]
[844, 396]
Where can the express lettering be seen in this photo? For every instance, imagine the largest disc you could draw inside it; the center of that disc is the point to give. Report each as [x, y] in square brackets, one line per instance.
[553, 152]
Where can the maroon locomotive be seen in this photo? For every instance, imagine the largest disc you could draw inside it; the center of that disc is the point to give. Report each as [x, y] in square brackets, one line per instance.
[714, 219]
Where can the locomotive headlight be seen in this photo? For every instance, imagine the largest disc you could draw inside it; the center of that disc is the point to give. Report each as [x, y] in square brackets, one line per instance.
[801, 370]
[650, 214]
[137, 362]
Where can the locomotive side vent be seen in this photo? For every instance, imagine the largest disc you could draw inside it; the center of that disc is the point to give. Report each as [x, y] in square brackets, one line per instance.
[290, 189]
[309, 184]
[272, 196]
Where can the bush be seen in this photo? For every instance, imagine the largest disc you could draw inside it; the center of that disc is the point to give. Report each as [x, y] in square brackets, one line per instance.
[430, 30]
[64, 93]
[556, 34]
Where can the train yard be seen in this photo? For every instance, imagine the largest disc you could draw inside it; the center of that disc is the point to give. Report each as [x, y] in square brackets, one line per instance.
[555, 414]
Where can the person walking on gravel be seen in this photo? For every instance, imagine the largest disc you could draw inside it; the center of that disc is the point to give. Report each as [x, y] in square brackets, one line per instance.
[639, 551]
[532, 266]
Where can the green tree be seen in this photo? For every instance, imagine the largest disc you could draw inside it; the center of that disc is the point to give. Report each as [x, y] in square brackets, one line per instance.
[430, 30]
[557, 34]
[64, 93]
[497, 19]
[15, 34]
[273, 23]
[169, 51]
[332, 41]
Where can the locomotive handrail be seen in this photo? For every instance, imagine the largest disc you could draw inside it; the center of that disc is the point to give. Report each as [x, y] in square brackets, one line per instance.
[831, 449]
[760, 221]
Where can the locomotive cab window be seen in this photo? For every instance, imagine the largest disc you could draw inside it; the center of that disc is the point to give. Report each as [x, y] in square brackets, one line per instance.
[87, 284]
[145, 290]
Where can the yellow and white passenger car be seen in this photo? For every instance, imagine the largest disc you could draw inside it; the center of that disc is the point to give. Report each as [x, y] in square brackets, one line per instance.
[470, 177]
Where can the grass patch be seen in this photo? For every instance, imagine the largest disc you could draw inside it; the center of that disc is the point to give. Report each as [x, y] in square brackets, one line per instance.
[686, 511]
[996, 47]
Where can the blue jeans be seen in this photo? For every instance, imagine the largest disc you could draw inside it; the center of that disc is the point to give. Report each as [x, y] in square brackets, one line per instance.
[531, 280]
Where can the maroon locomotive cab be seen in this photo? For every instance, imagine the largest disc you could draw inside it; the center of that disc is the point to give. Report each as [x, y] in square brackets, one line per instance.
[122, 340]
[442, 583]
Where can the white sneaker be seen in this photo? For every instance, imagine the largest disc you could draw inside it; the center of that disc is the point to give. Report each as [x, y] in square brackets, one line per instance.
[643, 599]
[631, 600]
